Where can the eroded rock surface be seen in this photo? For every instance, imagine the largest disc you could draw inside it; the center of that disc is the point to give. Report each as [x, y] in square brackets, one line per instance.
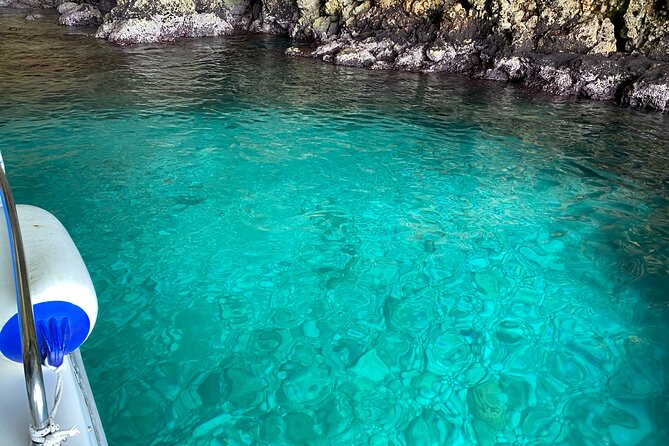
[103, 6]
[602, 49]
[161, 28]
[73, 14]
[33, 4]
[606, 50]
[143, 21]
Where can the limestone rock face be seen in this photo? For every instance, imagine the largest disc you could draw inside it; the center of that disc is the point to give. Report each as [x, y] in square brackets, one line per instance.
[581, 26]
[651, 90]
[355, 57]
[143, 8]
[601, 49]
[72, 14]
[164, 28]
[144, 21]
[646, 28]
[578, 26]
[278, 16]
[29, 3]
[101, 5]
[66, 6]
[514, 26]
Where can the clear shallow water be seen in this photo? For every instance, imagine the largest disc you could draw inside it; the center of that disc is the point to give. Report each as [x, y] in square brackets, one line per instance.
[290, 253]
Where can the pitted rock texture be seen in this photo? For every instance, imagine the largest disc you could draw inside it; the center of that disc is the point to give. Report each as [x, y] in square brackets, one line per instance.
[607, 50]
[33, 4]
[165, 28]
[103, 6]
[144, 21]
[633, 80]
[651, 90]
[272, 16]
[73, 14]
[279, 16]
[602, 49]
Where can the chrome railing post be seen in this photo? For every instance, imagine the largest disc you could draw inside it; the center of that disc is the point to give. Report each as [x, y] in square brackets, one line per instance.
[32, 364]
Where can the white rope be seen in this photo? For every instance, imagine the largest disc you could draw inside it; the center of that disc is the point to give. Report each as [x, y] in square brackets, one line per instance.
[58, 394]
[52, 435]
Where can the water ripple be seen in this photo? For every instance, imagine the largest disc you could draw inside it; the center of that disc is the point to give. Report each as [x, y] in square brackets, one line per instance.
[288, 252]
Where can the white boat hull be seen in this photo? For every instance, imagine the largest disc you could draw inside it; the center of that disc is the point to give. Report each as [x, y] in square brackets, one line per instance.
[77, 407]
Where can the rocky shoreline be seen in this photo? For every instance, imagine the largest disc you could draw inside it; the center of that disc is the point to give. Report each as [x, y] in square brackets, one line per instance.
[629, 80]
[614, 50]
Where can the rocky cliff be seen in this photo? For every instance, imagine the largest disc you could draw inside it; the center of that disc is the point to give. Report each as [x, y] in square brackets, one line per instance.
[135, 21]
[543, 26]
[608, 50]
[602, 49]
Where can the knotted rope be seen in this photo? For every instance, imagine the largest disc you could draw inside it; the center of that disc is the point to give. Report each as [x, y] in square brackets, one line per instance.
[52, 435]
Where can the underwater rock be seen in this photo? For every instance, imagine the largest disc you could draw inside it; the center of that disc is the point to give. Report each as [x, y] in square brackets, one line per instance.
[294, 51]
[628, 423]
[370, 367]
[306, 387]
[430, 427]
[447, 354]
[488, 404]
[32, 17]
[300, 428]
[245, 388]
[541, 425]
[79, 15]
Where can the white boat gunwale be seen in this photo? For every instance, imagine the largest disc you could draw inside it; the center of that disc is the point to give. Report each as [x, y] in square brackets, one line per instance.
[78, 396]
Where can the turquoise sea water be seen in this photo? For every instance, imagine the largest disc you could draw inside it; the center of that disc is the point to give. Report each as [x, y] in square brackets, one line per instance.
[290, 253]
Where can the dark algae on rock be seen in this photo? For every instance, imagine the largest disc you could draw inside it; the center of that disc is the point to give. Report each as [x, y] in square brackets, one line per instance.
[616, 50]
[607, 50]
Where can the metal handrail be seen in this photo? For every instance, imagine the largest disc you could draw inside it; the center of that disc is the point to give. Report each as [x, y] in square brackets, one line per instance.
[32, 363]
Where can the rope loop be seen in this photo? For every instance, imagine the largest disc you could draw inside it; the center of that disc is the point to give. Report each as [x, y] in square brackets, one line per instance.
[52, 435]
